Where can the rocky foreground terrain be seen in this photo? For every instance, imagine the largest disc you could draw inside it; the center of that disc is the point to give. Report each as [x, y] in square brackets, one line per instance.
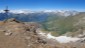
[15, 34]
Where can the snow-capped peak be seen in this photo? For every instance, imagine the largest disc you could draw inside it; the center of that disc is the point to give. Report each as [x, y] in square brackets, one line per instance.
[62, 12]
[1, 11]
[21, 11]
[59, 12]
[48, 11]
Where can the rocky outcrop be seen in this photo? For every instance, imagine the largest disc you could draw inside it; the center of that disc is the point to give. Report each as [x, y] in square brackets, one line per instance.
[15, 34]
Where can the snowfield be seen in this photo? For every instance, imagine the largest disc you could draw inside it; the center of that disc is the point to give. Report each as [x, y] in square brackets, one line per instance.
[63, 39]
[60, 39]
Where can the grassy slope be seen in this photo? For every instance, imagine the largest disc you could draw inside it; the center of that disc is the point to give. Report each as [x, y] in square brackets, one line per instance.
[62, 25]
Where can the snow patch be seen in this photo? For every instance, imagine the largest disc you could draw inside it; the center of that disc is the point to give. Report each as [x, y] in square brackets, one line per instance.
[61, 39]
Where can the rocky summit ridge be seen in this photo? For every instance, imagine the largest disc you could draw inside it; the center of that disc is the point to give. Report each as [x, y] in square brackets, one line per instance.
[16, 34]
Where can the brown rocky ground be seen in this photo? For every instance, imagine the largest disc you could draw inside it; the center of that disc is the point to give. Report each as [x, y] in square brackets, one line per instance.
[15, 34]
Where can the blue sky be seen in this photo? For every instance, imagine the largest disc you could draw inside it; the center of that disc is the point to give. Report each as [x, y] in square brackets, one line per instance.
[44, 4]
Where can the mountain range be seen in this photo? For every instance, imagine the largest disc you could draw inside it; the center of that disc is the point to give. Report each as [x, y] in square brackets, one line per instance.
[46, 29]
[60, 21]
[39, 16]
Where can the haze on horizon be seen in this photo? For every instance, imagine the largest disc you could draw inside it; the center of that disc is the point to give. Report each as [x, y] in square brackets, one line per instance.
[43, 4]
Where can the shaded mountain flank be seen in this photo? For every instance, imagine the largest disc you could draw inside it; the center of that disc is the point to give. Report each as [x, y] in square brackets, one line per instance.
[16, 34]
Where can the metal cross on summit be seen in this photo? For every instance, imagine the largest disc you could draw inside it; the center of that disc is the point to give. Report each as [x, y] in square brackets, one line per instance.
[6, 9]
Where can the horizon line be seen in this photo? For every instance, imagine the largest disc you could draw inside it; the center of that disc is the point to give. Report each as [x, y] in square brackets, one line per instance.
[44, 10]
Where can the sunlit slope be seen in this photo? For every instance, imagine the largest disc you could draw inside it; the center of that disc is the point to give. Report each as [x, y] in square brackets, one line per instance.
[65, 24]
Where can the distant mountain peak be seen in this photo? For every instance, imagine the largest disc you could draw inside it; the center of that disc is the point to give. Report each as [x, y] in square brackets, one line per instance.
[59, 12]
